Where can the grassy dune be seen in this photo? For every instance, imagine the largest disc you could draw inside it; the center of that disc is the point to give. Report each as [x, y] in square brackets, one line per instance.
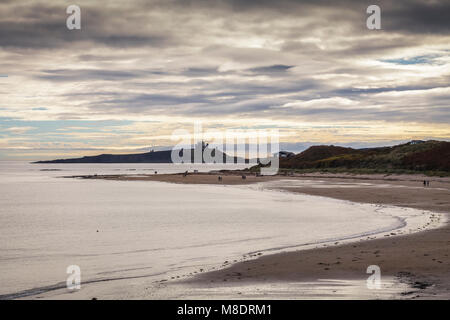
[428, 157]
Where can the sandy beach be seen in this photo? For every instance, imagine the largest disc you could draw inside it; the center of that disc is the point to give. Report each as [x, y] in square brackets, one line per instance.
[420, 260]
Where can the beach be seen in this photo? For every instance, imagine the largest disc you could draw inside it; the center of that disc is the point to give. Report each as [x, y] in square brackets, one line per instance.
[420, 259]
[150, 232]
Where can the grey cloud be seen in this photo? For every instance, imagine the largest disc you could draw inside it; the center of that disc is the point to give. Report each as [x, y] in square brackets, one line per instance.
[271, 69]
[422, 17]
[408, 16]
[238, 58]
[359, 91]
[42, 25]
[195, 71]
[86, 75]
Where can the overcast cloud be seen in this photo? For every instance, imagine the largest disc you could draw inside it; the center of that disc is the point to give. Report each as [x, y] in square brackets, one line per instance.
[140, 69]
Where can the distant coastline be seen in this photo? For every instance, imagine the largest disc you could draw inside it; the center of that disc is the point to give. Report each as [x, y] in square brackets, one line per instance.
[164, 156]
[431, 158]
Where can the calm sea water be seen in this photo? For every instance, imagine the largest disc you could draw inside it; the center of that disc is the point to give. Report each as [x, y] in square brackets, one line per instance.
[151, 230]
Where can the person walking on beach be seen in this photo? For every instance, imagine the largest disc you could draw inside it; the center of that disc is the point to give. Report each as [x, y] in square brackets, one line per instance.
[428, 183]
[424, 183]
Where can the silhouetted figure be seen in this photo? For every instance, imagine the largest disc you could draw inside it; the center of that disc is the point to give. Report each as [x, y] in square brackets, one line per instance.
[428, 183]
[220, 178]
[244, 176]
[156, 172]
[424, 183]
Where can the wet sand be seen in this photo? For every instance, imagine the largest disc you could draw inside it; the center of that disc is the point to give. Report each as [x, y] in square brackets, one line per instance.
[420, 259]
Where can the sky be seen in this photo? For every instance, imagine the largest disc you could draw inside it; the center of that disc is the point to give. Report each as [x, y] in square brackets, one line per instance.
[138, 70]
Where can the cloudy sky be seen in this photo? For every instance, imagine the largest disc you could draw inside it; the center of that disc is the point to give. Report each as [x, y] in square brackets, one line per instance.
[138, 70]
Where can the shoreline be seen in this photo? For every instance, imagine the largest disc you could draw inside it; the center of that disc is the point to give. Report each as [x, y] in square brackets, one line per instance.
[420, 259]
